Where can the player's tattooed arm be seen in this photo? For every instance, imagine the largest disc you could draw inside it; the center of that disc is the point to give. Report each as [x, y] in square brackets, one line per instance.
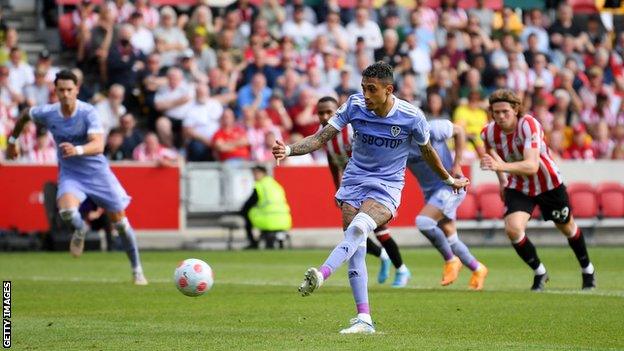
[12, 148]
[313, 142]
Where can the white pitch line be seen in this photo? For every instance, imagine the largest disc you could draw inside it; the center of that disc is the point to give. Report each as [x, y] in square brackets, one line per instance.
[611, 293]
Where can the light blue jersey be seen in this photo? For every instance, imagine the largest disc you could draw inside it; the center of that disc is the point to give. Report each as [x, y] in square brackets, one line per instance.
[380, 149]
[73, 130]
[81, 175]
[441, 130]
[380, 144]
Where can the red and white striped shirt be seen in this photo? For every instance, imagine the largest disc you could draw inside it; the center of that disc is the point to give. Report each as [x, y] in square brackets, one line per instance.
[510, 147]
[340, 145]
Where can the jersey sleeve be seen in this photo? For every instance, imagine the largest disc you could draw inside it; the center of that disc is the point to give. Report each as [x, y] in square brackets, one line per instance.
[343, 115]
[484, 137]
[38, 114]
[94, 125]
[531, 132]
[441, 129]
[420, 131]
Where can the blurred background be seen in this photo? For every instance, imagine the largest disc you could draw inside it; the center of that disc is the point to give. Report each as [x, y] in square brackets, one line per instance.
[192, 94]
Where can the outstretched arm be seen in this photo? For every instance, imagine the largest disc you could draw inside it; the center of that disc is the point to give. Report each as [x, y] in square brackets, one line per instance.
[12, 149]
[306, 145]
[433, 160]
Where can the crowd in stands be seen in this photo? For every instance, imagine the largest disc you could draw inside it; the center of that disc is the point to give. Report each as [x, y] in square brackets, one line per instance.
[223, 83]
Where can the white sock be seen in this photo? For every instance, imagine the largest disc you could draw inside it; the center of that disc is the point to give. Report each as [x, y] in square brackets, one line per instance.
[384, 255]
[137, 270]
[589, 269]
[365, 317]
[540, 270]
[402, 269]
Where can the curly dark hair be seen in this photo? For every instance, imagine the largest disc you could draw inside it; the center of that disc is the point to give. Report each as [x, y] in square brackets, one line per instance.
[381, 71]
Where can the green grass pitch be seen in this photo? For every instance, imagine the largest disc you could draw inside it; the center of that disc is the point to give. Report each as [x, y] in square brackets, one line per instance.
[61, 303]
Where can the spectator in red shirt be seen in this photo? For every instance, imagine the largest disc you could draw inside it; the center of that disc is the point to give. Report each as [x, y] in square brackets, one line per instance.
[580, 149]
[278, 114]
[303, 114]
[151, 150]
[230, 141]
[603, 145]
[451, 50]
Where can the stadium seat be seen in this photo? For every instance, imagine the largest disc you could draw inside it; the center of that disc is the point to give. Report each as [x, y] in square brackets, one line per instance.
[467, 4]
[537, 214]
[610, 199]
[583, 6]
[67, 31]
[490, 204]
[583, 200]
[468, 209]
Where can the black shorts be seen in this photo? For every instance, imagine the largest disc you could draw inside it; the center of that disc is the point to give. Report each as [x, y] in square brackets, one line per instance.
[554, 204]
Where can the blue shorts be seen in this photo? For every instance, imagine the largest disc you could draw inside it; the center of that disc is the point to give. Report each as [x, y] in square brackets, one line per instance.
[446, 201]
[104, 189]
[386, 195]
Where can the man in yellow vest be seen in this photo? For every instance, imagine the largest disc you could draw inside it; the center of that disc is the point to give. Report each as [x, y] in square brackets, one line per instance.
[267, 210]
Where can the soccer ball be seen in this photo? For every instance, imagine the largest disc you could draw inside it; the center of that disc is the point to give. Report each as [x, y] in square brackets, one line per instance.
[193, 277]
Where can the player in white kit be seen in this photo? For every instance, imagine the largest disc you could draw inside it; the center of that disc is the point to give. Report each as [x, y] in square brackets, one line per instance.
[83, 169]
[370, 192]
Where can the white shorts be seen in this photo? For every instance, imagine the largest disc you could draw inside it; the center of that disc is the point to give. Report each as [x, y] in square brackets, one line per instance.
[446, 201]
[386, 195]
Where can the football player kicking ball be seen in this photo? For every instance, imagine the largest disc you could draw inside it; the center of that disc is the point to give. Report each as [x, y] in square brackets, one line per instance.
[516, 146]
[437, 219]
[370, 190]
[338, 154]
[83, 170]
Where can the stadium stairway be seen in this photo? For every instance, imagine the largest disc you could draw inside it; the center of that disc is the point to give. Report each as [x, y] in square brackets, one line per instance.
[33, 35]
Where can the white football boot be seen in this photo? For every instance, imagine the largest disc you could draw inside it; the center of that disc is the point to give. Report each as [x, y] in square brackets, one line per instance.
[312, 281]
[76, 244]
[138, 278]
[358, 326]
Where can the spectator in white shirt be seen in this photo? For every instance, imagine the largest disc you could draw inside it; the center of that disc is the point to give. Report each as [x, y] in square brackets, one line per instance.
[308, 14]
[420, 59]
[121, 10]
[170, 40]
[363, 27]
[299, 29]
[540, 70]
[39, 92]
[173, 102]
[111, 109]
[201, 124]
[9, 97]
[336, 34]
[537, 27]
[21, 73]
[142, 38]
[205, 56]
[44, 62]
